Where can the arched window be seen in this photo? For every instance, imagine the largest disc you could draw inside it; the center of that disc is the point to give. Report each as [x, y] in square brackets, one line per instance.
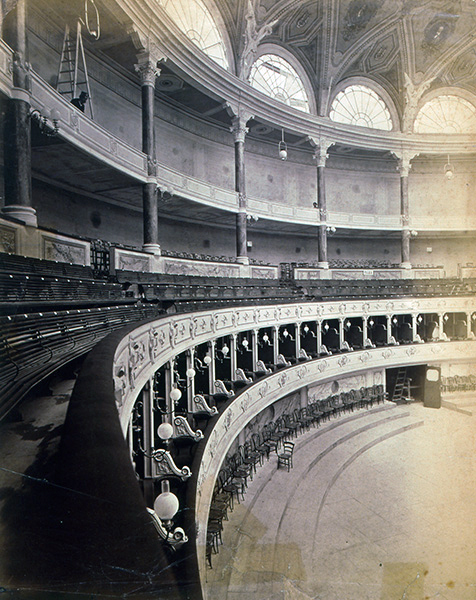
[360, 105]
[275, 77]
[194, 20]
[446, 114]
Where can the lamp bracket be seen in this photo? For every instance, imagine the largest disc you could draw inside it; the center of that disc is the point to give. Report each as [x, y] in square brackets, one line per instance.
[175, 538]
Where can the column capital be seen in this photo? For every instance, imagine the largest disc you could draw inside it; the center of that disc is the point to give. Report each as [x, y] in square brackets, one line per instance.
[146, 66]
[404, 159]
[239, 128]
[321, 146]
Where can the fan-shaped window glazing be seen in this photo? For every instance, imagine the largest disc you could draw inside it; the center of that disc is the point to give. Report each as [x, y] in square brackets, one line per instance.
[275, 77]
[360, 105]
[194, 19]
[446, 114]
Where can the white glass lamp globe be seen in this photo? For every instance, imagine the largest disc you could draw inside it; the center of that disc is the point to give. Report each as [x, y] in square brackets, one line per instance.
[207, 359]
[175, 395]
[165, 431]
[190, 373]
[283, 154]
[166, 506]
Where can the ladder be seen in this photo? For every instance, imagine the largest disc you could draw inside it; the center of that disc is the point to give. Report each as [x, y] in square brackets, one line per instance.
[400, 385]
[73, 72]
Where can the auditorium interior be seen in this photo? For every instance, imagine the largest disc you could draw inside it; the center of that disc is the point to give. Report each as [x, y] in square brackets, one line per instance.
[237, 294]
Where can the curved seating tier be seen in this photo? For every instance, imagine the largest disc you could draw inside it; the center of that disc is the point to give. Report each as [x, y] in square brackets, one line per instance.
[33, 345]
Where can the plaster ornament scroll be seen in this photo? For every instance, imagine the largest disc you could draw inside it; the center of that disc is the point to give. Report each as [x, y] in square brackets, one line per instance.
[343, 360]
[172, 333]
[282, 380]
[303, 355]
[253, 36]
[387, 353]
[156, 339]
[302, 372]
[74, 121]
[241, 376]
[414, 90]
[282, 362]
[220, 388]
[136, 359]
[228, 420]
[365, 356]
[200, 405]
[410, 351]
[322, 366]
[263, 390]
[120, 385]
[182, 429]
[245, 401]
[262, 368]
[166, 467]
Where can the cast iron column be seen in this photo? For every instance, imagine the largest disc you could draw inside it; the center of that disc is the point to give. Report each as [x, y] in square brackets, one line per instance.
[404, 166]
[321, 145]
[148, 71]
[17, 132]
[239, 131]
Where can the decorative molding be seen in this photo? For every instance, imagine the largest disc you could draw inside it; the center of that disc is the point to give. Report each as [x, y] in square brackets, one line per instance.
[200, 406]
[252, 38]
[146, 66]
[151, 345]
[164, 466]
[414, 90]
[182, 429]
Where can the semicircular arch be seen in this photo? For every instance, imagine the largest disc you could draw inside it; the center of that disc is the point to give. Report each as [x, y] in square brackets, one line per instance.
[375, 95]
[295, 71]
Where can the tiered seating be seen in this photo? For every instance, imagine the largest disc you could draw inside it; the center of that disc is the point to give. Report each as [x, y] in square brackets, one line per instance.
[44, 290]
[27, 282]
[32, 345]
[207, 290]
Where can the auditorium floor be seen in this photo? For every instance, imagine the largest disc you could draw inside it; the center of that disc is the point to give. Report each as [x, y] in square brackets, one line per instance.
[380, 507]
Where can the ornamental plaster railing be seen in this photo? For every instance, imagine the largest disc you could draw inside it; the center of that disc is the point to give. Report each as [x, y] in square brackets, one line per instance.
[263, 393]
[151, 345]
[97, 141]
[82, 132]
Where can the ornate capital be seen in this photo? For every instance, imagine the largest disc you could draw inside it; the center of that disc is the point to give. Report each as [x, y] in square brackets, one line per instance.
[404, 159]
[239, 119]
[147, 68]
[321, 146]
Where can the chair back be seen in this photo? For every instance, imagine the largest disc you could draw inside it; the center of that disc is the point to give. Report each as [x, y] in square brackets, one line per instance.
[288, 448]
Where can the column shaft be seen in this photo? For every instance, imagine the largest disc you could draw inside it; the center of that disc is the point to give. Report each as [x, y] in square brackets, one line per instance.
[17, 128]
[322, 206]
[240, 187]
[404, 208]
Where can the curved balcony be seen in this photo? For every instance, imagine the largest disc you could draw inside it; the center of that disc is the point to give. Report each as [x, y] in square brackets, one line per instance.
[90, 137]
[121, 365]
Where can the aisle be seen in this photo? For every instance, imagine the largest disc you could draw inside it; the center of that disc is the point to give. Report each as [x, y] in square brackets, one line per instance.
[380, 507]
